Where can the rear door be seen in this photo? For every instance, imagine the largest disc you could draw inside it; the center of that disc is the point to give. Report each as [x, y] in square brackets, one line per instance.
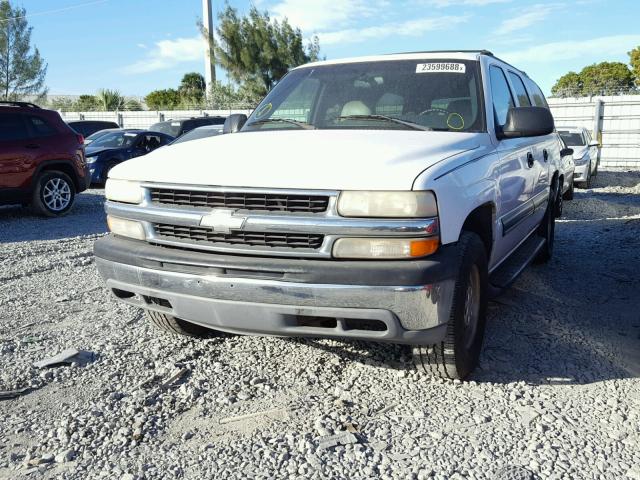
[516, 177]
[17, 152]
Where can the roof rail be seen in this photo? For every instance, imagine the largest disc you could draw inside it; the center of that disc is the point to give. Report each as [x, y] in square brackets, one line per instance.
[19, 104]
[482, 52]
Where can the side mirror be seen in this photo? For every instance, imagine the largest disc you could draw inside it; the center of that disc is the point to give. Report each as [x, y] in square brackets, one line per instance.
[234, 123]
[594, 143]
[527, 122]
[565, 152]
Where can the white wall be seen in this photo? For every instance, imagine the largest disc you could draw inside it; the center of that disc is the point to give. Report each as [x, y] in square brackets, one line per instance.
[619, 124]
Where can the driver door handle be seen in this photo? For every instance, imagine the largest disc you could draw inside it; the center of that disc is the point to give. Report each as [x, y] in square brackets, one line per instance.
[545, 154]
[529, 159]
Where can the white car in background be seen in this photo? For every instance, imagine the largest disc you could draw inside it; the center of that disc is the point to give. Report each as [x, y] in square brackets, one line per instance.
[585, 153]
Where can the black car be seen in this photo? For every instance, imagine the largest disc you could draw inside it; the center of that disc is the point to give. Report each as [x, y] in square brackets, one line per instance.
[87, 127]
[175, 128]
[115, 147]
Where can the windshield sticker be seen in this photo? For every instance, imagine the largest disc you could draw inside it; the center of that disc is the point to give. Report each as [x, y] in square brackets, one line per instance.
[263, 110]
[455, 121]
[440, 68]
[175, 124]
[130, 134]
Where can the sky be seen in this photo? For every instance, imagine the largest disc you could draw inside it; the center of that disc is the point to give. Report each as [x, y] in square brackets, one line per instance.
[136, 46]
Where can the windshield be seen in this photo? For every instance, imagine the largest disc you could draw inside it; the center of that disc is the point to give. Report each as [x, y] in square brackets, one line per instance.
[197, 133]
[172, 129]
[96, 135]
[572, 139]
[443, 95]
[115, 140]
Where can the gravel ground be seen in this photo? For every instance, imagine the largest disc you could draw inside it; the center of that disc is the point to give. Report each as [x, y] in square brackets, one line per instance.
[557, 394]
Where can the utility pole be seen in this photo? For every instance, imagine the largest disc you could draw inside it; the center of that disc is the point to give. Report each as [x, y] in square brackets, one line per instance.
[209, 54]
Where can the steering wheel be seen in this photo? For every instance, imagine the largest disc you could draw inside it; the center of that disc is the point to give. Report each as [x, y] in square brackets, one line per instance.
[436, 110]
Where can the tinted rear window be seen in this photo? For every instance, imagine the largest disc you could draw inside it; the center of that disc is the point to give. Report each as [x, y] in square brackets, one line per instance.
[12, 127]
[40, 127]
[172, 129]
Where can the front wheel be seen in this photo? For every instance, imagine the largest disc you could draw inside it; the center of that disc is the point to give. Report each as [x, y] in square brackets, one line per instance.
[54, 194]
[547, 227]
[457, 356]
[178, 326]
[568, 195]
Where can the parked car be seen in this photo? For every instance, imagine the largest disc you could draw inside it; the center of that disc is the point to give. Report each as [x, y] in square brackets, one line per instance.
[381, 198]
[176, 128]
[98, 134]
[585, 153]
[42, 160]
[89, 127]
[200, 132]
[115, 147]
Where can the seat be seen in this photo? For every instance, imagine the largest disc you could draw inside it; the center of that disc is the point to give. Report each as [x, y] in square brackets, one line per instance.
[463, 108]
[355, 107]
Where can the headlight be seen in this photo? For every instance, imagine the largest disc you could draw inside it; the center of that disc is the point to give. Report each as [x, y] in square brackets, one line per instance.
[91, 160]
[385, 248]
[580, 160]
[123, 191]
[387, 204]
[126, 228]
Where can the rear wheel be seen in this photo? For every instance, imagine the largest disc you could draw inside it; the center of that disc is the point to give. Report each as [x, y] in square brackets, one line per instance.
[54, 194]
[547, 228]
[178, 326]
[568, 195]
[457, 356]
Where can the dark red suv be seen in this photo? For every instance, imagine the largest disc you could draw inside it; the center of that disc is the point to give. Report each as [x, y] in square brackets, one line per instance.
[42, 160]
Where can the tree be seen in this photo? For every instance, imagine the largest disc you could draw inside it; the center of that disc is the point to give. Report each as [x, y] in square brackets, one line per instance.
[192, 87]
[259, 50]
[108, 100]
[634, 60]
[22, 70]
[86, 103]
[568, 85]
[163, 99]
[606, 78]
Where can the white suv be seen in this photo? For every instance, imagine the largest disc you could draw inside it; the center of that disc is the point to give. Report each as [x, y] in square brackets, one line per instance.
[380, 198]
[585, 153]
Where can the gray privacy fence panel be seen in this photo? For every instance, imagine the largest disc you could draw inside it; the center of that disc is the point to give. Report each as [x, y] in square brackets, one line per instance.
[146, 118]
[614, 120]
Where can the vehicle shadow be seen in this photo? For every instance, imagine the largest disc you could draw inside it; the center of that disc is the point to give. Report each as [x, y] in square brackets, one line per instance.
[19, 224]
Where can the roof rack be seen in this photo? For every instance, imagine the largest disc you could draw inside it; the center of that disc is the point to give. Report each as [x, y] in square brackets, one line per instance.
[19, 104]
[482, 52]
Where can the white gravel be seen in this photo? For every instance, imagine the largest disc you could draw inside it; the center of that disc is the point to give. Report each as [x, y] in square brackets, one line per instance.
[557, 395]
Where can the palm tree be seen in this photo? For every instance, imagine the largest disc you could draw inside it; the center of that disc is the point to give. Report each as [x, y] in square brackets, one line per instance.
[110, 100]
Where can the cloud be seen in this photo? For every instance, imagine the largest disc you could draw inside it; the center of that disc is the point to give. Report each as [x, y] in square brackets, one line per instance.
[604, 47]
[460, 3]
[534, 14]
[314, 15]
[167, 54]
[410, 28]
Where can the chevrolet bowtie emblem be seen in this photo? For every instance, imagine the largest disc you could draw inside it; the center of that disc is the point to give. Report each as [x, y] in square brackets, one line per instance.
[223, 221]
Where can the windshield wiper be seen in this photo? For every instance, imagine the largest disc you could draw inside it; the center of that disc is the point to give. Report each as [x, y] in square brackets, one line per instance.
[305, 125]
[414, 126]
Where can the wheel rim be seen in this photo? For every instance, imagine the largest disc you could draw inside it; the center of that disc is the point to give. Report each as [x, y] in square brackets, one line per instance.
[56, 194]
[471, 307]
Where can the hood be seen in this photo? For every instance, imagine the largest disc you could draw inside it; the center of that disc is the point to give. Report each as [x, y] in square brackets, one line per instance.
[578, 152]
[301, 159]
[92, 152]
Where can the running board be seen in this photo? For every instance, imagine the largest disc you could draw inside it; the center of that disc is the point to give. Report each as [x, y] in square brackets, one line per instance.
[503, 276]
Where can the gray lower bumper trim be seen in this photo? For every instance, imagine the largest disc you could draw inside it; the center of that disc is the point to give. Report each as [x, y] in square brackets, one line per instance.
[411, 315]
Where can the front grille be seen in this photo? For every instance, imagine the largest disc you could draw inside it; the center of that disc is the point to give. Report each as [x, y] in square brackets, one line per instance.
[276, 202]
[258, 239]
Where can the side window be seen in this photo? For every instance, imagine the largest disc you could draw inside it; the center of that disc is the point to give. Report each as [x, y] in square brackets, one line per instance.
[521, 92]
[536, 95]
[40, 127]
[502, 98]
[12, 127]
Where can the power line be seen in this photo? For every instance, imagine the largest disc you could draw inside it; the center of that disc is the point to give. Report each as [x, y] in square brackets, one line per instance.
[48, 12]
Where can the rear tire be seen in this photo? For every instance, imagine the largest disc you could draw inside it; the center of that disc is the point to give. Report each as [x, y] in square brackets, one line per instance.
[547, 228]
[177, 326]
[568, 195]
[54, 194]
[457, 356]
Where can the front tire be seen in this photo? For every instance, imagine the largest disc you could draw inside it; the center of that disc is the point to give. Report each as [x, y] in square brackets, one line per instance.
[54, 194]
[457, 356]
[547, 227]
[177, 326]
[568, 195]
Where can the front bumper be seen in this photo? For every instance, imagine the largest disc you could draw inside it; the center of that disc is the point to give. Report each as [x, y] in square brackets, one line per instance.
[286, 297]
